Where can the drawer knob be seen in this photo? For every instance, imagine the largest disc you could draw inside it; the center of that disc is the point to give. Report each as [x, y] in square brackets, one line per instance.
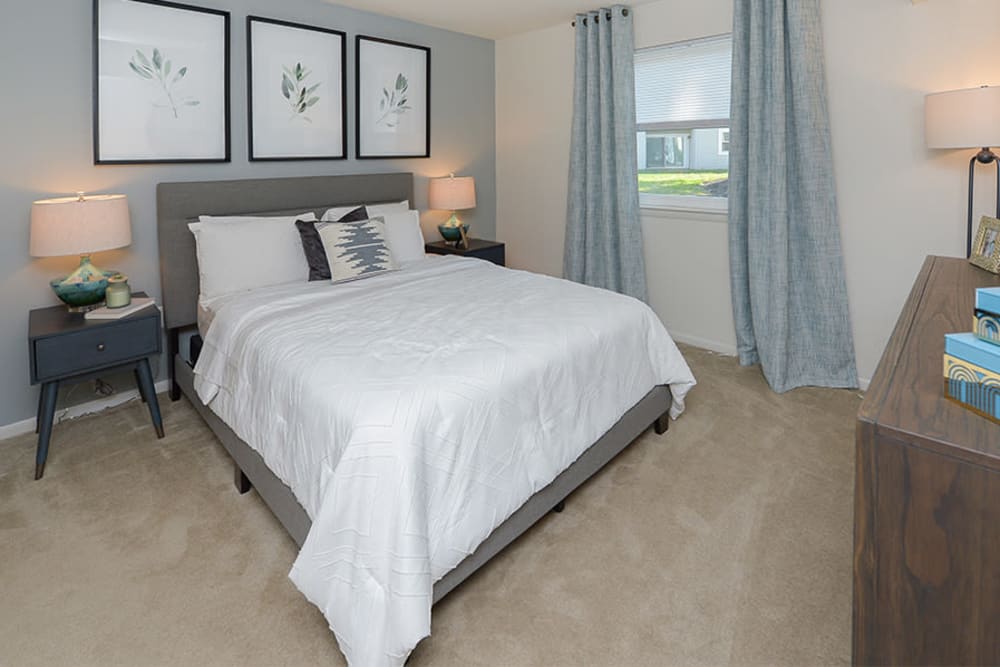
[100, 347]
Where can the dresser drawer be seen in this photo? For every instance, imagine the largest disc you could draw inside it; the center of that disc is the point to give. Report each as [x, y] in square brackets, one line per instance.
[59, 356]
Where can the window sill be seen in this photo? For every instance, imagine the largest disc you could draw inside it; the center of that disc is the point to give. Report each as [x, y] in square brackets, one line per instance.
[684, 203]
[719, 215]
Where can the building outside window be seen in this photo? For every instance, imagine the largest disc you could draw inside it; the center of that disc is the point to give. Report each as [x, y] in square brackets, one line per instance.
[682, 120]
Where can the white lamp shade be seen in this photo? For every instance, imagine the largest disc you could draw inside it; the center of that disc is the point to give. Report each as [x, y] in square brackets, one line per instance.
[79, 225]
[967, 118]
[452, 194]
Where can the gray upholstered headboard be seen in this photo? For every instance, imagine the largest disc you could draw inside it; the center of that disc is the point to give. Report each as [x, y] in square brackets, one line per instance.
[177, 204]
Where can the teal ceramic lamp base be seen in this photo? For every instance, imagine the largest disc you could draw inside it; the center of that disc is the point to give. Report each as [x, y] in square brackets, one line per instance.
[84, 288]
[450, 230]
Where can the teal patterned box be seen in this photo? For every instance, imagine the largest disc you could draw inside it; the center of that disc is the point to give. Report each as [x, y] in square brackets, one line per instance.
[987, 323]
[972, 374]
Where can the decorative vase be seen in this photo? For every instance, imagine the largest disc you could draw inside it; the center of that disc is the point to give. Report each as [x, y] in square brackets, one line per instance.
[84, 288]
[450, 233]
[118, 294]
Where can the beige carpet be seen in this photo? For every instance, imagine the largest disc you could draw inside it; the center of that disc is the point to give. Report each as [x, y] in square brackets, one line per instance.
[725, 541]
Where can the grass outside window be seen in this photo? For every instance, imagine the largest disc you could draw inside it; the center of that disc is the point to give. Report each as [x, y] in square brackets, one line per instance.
[705, 183]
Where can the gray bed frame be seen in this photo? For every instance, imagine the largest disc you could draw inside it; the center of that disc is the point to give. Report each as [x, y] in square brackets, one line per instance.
[178, 204]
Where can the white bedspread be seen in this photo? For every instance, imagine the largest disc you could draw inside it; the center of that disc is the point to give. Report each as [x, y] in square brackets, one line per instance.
[412, 413]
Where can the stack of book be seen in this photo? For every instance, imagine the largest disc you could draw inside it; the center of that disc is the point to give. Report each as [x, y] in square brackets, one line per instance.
[972, 360]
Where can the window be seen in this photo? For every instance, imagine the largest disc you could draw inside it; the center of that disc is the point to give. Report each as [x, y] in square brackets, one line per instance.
[724, 141]
[682, 120]
[666, 151]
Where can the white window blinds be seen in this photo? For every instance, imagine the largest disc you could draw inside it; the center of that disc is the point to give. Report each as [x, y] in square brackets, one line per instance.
[684, 85]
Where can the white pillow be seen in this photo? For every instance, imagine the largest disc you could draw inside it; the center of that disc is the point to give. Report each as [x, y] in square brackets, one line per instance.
[335, 214]
[195, 226]
[404, 236]
[241, 253]
[387, 209]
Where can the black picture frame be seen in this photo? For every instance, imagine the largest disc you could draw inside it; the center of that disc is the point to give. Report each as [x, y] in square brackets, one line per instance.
[362, 128]
[342, 36]
[225, 155]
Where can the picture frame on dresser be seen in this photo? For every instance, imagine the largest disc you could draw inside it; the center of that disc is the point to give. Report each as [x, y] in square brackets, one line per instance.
[296, 91]
[986, 246]
[392, 99]
[160, 83]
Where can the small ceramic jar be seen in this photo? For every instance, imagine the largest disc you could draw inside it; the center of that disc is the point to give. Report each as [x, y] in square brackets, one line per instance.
[118, 294]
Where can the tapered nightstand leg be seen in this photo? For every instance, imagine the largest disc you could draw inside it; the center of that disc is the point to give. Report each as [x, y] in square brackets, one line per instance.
[142, 392]
[147, 388]
[38, 413]
[47, 413]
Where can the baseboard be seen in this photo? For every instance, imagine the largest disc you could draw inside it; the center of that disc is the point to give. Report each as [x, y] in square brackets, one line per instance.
[74, 411]
[704, 343]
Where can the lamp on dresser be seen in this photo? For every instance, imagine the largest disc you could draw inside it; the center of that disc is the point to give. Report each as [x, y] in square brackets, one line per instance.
[968, 118]
[80, 225]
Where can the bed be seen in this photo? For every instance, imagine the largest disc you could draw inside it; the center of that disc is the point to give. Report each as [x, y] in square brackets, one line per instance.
[506, 495]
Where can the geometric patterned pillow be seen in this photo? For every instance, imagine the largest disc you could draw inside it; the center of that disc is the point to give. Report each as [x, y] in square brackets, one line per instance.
[356, 249]
[319, 268]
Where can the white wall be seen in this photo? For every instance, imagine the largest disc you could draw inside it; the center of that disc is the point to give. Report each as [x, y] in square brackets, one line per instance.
[686, 257]
[898, 201]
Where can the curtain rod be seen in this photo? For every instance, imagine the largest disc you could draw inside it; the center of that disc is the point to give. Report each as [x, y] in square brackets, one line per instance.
[607, 17]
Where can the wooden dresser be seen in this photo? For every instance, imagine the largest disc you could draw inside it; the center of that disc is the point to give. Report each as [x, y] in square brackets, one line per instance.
[927, 494]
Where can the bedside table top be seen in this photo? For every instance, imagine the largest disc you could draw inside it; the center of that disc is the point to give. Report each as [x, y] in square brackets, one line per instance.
[474, 244]
[57, 320]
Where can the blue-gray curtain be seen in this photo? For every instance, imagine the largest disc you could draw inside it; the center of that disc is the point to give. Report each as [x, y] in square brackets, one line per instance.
[603, 236]
[789, 292]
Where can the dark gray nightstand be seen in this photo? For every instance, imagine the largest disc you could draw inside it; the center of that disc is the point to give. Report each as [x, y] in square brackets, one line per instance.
[66, 348]
[491, 251]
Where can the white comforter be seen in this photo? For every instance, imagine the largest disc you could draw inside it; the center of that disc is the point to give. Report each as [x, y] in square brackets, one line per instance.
[412, 413]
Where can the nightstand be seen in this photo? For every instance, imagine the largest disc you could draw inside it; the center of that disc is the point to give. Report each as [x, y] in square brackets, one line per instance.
[66, 348]
[491, 251]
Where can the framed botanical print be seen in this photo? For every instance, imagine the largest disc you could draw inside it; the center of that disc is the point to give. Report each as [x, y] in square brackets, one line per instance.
[393, 100]
[296, 91]
[161, 82]
[986, 246]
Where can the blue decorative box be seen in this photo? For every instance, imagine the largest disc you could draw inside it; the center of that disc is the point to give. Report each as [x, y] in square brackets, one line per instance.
[988, 299]
[972, 374]
[987, 323]
[987, 326]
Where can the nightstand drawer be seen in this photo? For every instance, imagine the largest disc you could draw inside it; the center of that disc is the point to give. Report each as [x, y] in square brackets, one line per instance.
[57, 357]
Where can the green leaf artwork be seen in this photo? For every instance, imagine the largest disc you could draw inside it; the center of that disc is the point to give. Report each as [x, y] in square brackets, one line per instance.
[392, 105]
[157, 69]
[298, 92]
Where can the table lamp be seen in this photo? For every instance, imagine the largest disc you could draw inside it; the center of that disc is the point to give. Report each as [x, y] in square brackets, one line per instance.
[453, 194]
[80, 226]
[968, 118]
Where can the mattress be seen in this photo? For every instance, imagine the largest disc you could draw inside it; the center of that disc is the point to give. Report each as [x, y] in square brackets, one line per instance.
[411, 413]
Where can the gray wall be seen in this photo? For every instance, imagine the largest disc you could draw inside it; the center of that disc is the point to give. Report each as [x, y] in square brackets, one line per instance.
[45, 125]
